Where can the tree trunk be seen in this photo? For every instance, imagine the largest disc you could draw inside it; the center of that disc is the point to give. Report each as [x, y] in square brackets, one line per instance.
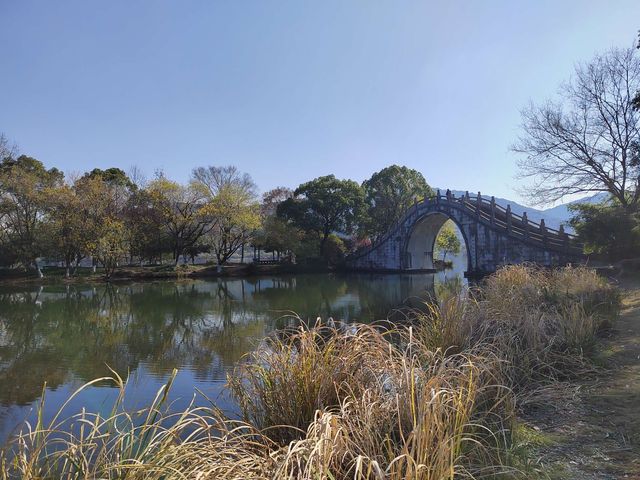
[40, 274]
[325, 235]
[76, 263]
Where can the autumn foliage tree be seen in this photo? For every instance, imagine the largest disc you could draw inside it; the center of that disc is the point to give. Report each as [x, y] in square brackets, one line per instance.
[235, 218]
[182, 211]
[24, 192]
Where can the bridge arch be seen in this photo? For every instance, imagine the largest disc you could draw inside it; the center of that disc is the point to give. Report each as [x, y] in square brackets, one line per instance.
[420, 243]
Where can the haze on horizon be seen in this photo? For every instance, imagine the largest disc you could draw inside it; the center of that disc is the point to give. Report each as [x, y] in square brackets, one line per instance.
[289, 91]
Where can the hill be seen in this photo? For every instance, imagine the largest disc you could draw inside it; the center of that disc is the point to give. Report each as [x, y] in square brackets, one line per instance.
[553, 217]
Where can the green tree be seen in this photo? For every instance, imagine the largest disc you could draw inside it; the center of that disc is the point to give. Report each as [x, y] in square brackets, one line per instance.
[98, 200]
[112, 176]
[388, 194]
[334, 250]
[148, 238]
[447, 241]
[608, 229]
[24, 188]
[325, 205]
[117, 189]
[276, 235]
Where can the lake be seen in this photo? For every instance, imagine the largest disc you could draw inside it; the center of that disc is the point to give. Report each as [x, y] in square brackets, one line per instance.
[67, 335]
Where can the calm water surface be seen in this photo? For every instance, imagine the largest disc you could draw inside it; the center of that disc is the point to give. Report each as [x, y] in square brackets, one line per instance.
[68, 335]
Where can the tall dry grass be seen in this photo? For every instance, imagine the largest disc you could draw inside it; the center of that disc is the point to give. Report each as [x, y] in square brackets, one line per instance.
[434, 399]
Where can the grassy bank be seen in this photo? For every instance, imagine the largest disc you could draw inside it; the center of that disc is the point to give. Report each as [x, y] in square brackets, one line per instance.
[435, 398]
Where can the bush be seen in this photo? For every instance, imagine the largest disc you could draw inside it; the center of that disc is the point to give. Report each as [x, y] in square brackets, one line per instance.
[333, 250]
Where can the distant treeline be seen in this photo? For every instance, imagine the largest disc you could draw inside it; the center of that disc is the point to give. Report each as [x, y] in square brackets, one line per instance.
[115, 218]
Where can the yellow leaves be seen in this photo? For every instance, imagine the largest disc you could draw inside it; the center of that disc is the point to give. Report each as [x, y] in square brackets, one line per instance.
[230, 208]
[111, 242]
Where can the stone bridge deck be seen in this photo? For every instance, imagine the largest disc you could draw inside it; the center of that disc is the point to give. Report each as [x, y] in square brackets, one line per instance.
[494, 236]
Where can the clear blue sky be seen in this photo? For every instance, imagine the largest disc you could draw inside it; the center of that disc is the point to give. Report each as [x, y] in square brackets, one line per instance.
[290, 90]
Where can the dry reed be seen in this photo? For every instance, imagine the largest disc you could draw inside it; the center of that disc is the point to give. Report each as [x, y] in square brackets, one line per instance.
[431, 400]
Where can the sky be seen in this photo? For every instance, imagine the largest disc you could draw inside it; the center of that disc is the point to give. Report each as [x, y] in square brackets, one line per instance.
[288, 90]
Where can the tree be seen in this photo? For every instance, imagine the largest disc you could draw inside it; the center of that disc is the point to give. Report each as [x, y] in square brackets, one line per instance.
[145, 224]
[232, 207]
[24, 186]
[112, 176]
[68, 226]
[110, 245]
[276, 235]
[334, 250]
[607, 229]
[273, 198]
[588, 140]
[324, 205]
[117, 190]
[7, 149]
[97, 199]
[447, 241]
[234, 220]
[388, 194]
[182, 211]
[214, 179]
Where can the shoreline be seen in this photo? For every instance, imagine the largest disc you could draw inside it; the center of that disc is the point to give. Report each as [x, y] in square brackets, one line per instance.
[164, 272]
[55, 275]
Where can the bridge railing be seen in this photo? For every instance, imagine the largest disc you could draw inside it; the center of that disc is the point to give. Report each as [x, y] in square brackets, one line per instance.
[498, 216]
[514, 224]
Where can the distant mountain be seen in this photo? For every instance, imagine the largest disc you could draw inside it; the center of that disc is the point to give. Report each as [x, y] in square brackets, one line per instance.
[553, 217]
[562, 211]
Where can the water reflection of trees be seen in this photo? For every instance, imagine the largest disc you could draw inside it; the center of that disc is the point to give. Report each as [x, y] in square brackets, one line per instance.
[52, 335]
[56, 334]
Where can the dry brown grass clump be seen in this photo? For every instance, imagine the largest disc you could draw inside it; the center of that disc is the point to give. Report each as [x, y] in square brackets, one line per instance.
[539, 322]
[372, 408]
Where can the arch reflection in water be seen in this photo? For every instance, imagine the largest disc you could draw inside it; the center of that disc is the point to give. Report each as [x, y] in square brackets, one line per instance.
[67, 335]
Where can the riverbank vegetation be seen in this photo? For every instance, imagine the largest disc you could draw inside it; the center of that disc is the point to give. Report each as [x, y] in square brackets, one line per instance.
[110, 219]
[435, 397]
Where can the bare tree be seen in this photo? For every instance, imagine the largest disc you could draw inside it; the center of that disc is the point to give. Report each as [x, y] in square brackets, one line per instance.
[137, 176]
[7, 149]
[272, 198]
[217, 178]
[588, 141]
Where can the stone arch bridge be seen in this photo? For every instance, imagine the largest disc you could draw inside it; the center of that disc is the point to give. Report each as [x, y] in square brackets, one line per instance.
[493, 235]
